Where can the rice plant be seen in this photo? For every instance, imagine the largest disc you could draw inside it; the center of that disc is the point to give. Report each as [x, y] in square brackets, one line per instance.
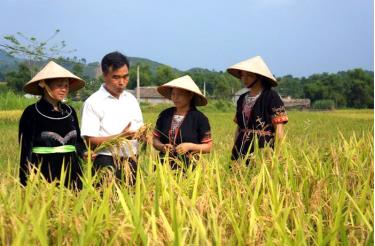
[316, 189]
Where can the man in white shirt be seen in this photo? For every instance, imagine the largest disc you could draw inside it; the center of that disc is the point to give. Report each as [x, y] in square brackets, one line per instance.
[112, 112]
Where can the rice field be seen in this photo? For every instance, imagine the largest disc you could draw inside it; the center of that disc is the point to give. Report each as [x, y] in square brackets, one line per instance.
[316, 189]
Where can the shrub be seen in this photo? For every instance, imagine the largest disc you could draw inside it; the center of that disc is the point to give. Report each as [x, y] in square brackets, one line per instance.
[10, 101]
[326, 104]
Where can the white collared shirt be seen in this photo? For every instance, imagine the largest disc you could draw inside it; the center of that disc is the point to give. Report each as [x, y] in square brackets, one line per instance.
[104, 115]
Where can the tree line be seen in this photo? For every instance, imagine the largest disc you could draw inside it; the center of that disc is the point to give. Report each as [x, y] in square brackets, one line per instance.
[345, 89]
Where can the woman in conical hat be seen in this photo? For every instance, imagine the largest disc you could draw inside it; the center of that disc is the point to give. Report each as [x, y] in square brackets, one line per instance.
[49, 133]
[182, 130]
[261, 114]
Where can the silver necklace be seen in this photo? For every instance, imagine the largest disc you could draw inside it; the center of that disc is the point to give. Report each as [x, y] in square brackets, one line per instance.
[53, 118]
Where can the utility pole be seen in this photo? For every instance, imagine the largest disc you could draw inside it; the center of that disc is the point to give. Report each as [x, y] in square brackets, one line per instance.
[138, 86]
[204, 88]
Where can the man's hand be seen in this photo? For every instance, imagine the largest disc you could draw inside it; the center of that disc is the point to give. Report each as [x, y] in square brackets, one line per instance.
[126, 132]
[86, 155]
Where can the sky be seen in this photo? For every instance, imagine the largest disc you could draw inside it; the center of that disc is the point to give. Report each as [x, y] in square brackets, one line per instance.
[296, 37]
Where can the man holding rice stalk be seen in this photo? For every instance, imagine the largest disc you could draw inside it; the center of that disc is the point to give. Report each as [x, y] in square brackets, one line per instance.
[261, 114]
[110, 119]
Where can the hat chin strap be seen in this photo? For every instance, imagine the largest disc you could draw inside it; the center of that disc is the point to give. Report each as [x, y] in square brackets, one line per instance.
[252, 84]
[44, 85]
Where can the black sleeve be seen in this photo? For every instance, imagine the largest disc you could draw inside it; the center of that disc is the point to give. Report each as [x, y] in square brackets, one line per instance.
[238, 115]
[161, 122]
[276, 109]
[26, 133]
[157, 129]
[204, 129]
[80, 144]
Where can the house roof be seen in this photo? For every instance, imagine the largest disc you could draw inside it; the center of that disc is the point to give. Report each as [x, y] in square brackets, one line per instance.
[149, 92]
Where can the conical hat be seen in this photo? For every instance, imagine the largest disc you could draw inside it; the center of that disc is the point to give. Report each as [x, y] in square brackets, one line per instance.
[52, 71]
[253, 65]
[185, 83]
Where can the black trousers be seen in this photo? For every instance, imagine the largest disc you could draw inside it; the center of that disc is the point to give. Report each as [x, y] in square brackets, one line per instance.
[125, 169]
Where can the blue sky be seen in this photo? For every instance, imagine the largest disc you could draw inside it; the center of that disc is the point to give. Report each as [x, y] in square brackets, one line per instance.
[298, 37]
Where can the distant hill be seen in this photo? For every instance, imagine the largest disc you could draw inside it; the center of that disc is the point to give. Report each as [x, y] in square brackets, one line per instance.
[7, 63]
[198, 70]
[91, 70]
[5, 58]
[152, 64]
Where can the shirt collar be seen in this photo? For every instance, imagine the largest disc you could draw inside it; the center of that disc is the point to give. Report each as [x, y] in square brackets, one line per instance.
[106, 93]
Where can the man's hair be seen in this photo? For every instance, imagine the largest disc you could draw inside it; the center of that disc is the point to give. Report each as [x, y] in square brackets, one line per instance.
[114, 60]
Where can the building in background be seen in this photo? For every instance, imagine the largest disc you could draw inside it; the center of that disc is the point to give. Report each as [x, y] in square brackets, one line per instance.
[149, 94]
[288, 101]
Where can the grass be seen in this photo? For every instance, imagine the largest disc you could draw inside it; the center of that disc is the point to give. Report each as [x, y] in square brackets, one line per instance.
[316, 190]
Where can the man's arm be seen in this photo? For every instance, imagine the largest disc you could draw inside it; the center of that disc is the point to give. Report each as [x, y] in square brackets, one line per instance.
[96, 141]
[91, 125]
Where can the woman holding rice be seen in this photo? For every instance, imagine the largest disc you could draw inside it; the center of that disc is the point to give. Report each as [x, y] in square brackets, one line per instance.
[182, 130]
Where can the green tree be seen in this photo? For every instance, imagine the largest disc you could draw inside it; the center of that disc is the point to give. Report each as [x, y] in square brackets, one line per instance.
[222, 90]
[17, 79]
[164, 74]
[91, 86]
[352, 88]
[78, 69]
[145, 75]
[360, 94]
[290, 86]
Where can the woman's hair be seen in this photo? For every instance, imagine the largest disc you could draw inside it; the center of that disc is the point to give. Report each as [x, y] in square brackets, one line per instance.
[265, 81]
[192, 101]
[42, 90]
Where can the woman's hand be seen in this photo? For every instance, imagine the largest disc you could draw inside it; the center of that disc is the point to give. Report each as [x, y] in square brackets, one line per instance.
[160, 146]
[167, 147]
[183, 148]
